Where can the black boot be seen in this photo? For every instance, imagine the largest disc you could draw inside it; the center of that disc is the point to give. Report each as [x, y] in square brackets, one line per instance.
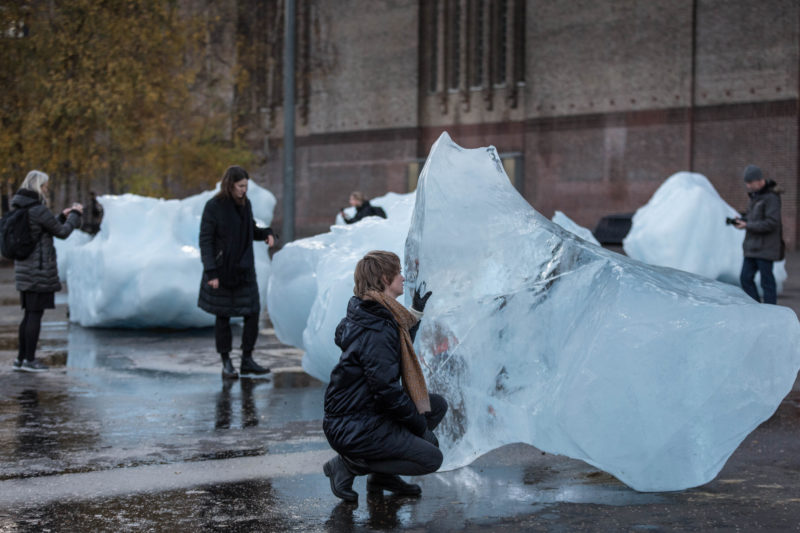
[392, 483]
[341, 479]
[248, 366]
[228, 372]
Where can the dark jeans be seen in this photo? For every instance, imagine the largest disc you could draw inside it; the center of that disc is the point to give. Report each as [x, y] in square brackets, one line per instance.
[421, 457]
[224, 338]
[29, 330]
[764, 267]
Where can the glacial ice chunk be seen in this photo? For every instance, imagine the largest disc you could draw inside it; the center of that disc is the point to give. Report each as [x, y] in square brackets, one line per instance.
[683, 226]
[143, 268]
[652, 374]
[571, 226]
[312, 280]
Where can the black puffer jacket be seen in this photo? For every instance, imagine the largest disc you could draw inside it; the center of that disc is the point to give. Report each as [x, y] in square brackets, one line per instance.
[39, 271]
[367, 412]
[366, 210]
[762, 238]
[226, 249]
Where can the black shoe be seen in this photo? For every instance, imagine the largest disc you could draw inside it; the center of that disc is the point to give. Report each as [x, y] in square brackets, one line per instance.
[17, 365]
[228, 372]
[341, 479]
[249, 366]
[392, 483]
[34, 366]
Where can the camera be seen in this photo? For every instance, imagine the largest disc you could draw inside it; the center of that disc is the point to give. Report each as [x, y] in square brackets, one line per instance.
[731, 221]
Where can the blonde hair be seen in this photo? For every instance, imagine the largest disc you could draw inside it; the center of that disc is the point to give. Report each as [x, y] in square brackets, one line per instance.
[34, 181]
[358, 196]
[373, 271]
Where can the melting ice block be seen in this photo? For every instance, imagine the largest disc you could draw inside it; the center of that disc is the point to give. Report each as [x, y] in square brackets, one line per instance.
[649, 373]
[312, 280]
[571, 226]
[683, 226]
[143, 268]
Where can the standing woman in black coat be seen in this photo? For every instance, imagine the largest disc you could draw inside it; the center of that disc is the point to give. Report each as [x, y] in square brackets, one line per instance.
[379, 423]
[36, 276]
[229, 287]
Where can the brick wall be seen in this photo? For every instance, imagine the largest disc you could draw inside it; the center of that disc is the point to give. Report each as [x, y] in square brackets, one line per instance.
[618, 96]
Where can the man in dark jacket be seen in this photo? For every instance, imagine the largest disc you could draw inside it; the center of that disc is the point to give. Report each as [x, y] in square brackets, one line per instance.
[363, 209]
[378, 424]
[763, 242]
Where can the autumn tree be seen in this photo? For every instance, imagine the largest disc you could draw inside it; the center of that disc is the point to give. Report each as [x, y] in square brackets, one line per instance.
[103, 93]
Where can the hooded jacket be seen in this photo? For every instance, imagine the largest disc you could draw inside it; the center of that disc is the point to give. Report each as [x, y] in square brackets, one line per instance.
[39, 271]
[368, 414]
[763, 234]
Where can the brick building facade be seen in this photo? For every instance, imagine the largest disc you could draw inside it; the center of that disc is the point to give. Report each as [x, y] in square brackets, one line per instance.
[591, 103]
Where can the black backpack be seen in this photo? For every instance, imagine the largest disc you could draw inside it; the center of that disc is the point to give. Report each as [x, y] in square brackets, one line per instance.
[16, 241]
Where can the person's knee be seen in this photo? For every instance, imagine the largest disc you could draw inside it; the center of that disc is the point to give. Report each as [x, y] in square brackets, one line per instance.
[432, 461]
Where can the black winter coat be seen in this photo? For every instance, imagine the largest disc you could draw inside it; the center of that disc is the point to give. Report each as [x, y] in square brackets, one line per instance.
[227, 232]
[368, 414]
[763, 234]
[366, 210]
[39, 271]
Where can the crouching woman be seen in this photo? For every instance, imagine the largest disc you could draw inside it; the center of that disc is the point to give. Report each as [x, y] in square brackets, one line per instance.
[379, 415]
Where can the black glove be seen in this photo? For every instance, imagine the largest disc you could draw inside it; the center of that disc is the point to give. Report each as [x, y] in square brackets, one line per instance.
[430, 437]
[418, 303]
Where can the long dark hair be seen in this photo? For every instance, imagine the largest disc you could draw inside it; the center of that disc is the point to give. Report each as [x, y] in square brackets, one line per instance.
[232, 175]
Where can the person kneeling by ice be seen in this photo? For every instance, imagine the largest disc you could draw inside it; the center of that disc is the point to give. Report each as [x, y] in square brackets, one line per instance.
[378, 425]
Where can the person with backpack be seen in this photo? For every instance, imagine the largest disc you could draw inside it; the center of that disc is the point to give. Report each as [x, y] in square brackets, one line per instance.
[36, 271]
[363, 208]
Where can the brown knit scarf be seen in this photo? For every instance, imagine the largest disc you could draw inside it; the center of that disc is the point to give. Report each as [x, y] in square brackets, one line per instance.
[411, 371]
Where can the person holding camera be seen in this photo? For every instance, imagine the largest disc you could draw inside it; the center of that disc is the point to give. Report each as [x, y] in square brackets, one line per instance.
[36, 276]
[379, 415]
[763, 240]
[229, 287]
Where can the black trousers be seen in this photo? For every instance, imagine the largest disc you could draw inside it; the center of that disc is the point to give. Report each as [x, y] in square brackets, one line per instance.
[224, 338]
[29, 330]
[749, 268]
[421, 457]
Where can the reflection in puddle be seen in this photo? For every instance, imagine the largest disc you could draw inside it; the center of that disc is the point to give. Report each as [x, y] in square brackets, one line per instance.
[249, 506]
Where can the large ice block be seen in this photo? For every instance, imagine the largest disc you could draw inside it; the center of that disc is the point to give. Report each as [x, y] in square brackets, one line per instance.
[683, 226]
[652, 374]
[312, 280]
[143, 268]
[573, 227]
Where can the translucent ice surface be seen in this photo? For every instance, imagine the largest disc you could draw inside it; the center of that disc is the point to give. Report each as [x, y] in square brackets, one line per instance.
[683, 226]
[571, 226]
[652, 374]
[143, 268]
[312, 280]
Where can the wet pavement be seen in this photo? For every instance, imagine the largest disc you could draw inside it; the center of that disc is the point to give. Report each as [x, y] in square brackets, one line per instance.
[135, 431]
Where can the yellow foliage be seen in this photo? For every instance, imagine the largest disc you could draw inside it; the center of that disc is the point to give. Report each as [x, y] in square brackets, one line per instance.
[95, 89]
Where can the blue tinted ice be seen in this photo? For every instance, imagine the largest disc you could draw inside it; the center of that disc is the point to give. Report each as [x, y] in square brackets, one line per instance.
[651, 374]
